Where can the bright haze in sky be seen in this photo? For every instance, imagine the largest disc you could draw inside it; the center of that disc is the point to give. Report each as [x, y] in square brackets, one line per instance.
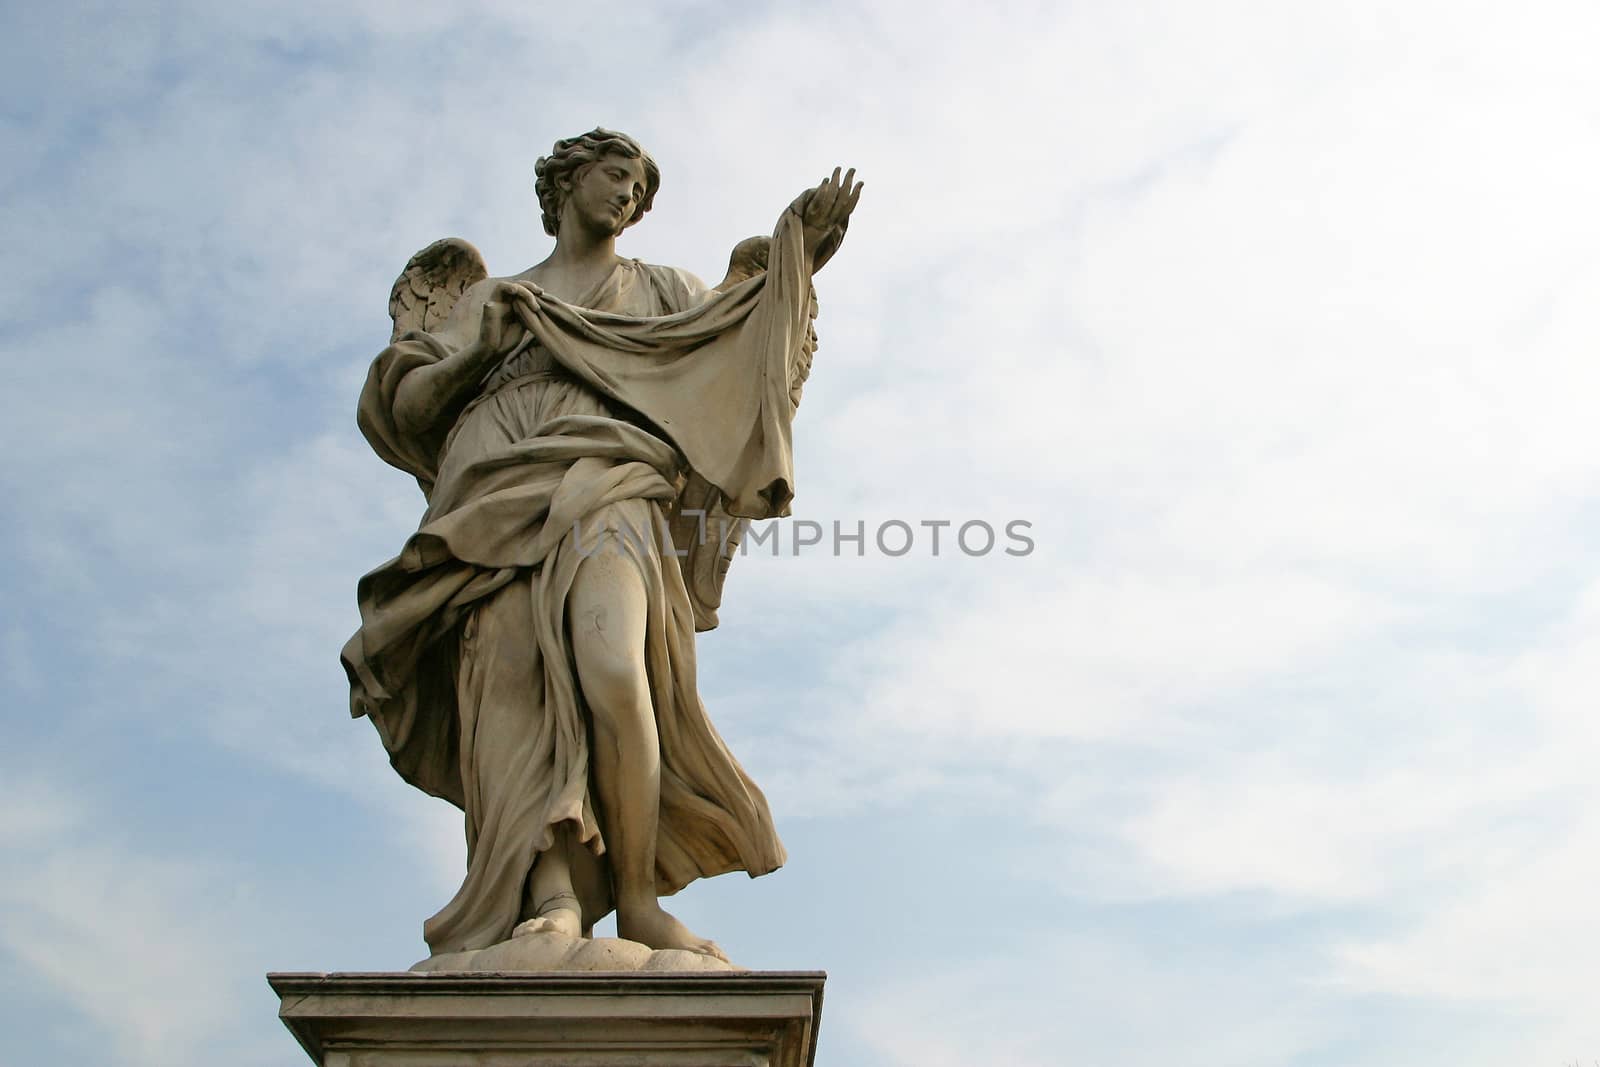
[1275, 323]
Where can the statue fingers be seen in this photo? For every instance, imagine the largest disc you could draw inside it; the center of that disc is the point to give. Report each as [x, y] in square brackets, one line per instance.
[850, 201]
[849, 193]
[525, 297]
[823, 198]
[508, 292]
[491, 326]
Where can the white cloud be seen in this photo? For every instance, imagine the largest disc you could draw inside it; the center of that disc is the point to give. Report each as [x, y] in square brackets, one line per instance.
[1515, 922]
[1275, 319]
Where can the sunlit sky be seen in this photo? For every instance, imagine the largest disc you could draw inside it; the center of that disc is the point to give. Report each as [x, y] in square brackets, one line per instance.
[1277, 321]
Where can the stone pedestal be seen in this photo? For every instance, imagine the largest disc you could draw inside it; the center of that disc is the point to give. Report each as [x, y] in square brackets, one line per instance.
[591, 1019]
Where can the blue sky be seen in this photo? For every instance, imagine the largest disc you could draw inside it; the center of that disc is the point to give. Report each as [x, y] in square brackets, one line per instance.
[1276, 321]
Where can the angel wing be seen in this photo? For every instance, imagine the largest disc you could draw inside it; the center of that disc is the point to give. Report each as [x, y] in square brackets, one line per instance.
[432, 282]
[749, 258]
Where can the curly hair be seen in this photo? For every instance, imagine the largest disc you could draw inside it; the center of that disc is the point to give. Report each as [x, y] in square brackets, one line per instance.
[555, 173]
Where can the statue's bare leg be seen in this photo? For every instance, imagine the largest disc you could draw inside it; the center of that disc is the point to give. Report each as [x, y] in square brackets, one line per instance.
[607, 613]
[549, 905]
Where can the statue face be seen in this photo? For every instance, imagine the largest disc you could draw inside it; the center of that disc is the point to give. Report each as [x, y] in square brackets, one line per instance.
[605, 194]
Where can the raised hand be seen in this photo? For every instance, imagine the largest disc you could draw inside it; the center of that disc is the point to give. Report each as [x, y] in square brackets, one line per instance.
[824, 212]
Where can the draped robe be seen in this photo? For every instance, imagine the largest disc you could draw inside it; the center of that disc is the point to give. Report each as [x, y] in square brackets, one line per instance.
[583, 440]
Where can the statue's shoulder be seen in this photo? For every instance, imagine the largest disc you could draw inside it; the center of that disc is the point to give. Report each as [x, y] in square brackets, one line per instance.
[432, 282]
[678, 289]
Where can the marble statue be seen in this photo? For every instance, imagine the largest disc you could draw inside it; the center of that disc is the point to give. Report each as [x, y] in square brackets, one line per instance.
[589, 435]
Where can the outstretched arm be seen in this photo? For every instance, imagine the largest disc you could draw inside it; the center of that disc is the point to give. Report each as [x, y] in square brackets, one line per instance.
[482, 329]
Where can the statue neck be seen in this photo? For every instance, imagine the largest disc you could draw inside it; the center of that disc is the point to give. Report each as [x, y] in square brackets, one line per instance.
[581, 260]
[580, 249]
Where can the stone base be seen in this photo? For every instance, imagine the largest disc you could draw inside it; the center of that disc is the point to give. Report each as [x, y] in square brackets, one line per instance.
[574, 1019]
[551, 951]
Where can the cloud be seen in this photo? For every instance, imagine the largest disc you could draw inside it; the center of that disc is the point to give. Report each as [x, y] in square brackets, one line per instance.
[1513, 924]
[1275, 321]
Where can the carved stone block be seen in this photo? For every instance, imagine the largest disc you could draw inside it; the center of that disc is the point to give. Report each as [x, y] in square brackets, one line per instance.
[741, 1019]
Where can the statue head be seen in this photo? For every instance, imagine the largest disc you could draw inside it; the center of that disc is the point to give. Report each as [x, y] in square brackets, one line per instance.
[571, 156]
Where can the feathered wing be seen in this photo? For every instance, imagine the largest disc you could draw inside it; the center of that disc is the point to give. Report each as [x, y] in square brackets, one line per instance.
[432, 282]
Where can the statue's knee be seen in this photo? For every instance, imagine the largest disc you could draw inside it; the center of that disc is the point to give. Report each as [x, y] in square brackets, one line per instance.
[607, 625]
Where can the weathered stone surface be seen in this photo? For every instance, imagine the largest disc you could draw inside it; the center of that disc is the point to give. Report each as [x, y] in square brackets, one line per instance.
[746, 1019]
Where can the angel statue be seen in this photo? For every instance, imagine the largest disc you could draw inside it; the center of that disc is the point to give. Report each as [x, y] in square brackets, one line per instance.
[588, 434]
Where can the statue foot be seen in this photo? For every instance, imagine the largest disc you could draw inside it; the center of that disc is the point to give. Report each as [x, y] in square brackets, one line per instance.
[657, 928]
[564, 920]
